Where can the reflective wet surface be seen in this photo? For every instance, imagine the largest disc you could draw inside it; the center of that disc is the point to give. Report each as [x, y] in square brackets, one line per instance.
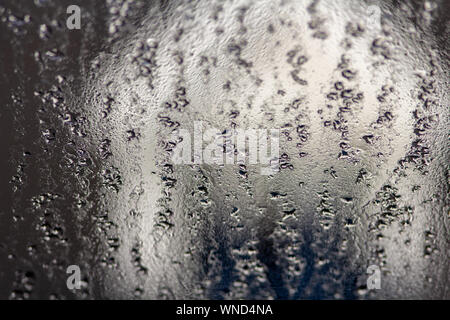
[358, 91]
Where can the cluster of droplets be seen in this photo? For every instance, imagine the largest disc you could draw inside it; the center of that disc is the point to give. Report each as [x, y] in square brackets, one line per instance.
[297, 60]
[164, 219]
[111, 178]
[390, 209]
[250, 273]
[23, 285]
[119, 11]
[347, 101]
[317, 22]
[143, 58]
[14, 22]
[425, 120]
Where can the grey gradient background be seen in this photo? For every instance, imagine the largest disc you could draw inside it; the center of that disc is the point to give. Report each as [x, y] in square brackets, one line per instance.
[84, 178]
